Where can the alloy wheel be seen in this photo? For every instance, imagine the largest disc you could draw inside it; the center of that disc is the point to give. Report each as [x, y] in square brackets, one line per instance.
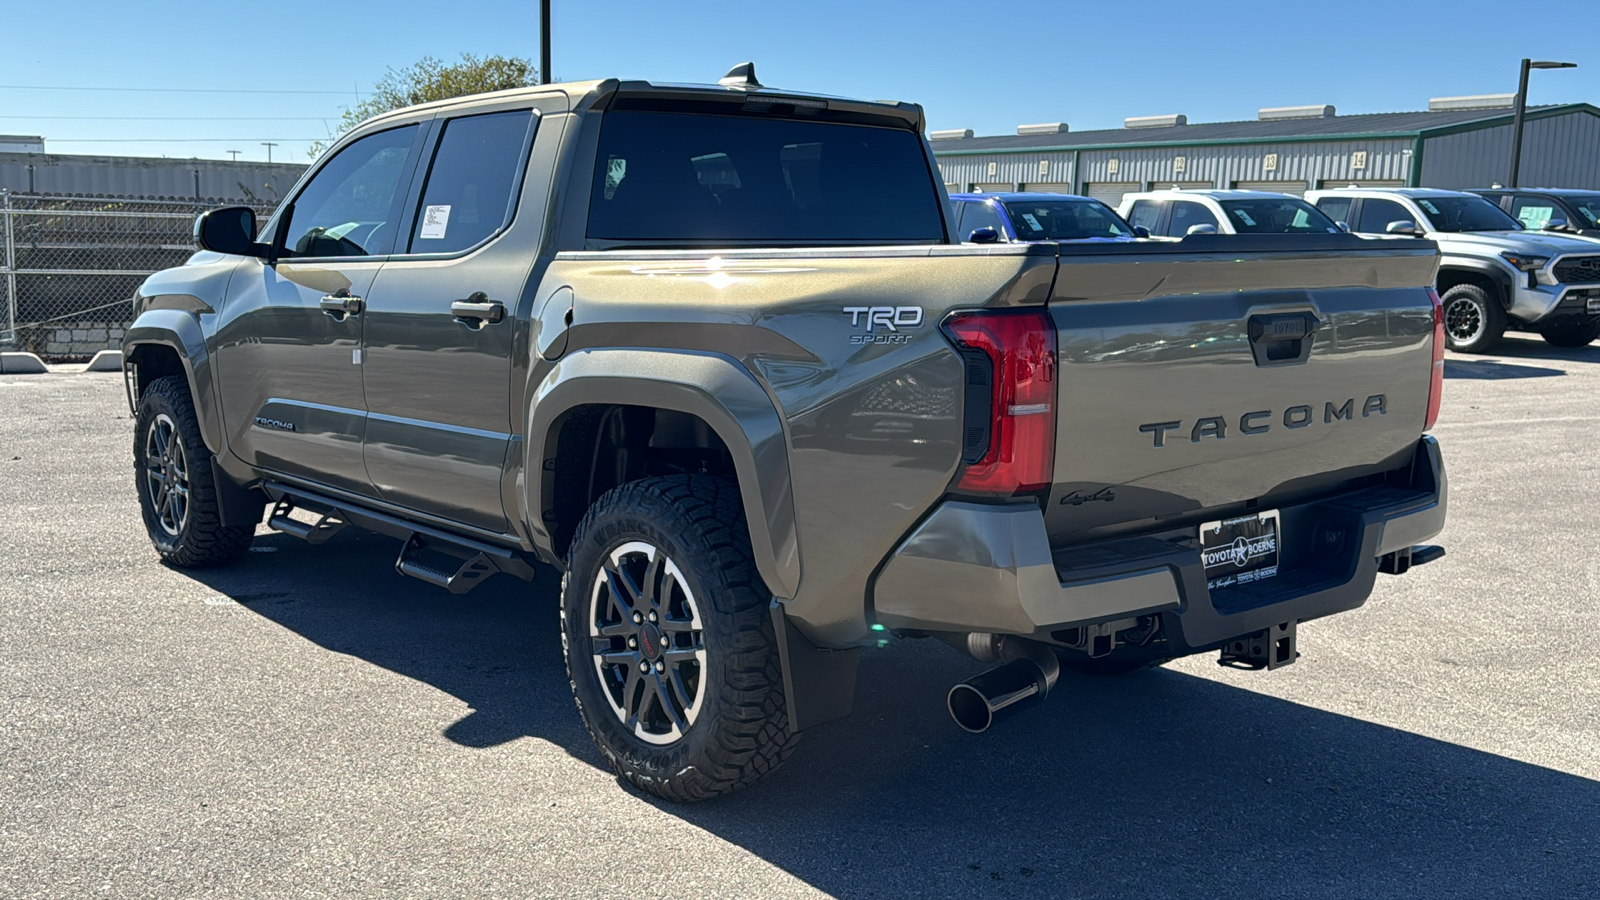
[1464, 320]
[167, 475]
[648, 643]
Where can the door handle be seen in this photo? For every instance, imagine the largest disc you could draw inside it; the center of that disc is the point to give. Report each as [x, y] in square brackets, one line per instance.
[478, 310]
[341, 304]
[1278, 339]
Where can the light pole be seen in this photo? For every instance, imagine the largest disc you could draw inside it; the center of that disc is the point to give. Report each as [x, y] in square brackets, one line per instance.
[544, 41]
[1522, 108]
[269, 145]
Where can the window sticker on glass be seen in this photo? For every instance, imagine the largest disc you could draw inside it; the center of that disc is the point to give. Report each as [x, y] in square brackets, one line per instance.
[1032, 222]
[435, 219]
[1243, 217]
[1429, 207]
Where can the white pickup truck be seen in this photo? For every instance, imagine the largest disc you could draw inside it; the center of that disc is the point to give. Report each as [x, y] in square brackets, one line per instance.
[1493, 274]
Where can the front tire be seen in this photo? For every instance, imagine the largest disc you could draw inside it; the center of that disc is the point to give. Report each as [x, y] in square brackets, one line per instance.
[172, 469]
[669, 642]
[1572, 333]
[1474, 320]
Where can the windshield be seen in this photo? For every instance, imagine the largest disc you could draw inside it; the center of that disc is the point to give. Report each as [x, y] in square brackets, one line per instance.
[1454, 214]
[1276, 215]
[1065, 220]
[1587, 206]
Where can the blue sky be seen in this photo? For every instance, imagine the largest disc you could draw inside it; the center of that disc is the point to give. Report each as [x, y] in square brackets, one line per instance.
[1213, 60]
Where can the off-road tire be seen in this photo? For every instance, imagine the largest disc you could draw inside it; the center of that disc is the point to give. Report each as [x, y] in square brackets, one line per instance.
[1572, 333]
[1474, 319]
[202, 541]
[741, 729]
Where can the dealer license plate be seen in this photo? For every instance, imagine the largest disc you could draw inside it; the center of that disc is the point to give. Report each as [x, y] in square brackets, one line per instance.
[1239, 551]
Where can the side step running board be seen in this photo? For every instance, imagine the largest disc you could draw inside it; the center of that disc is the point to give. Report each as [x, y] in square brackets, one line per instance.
[329, 524]
[455, 562]
[472, 572]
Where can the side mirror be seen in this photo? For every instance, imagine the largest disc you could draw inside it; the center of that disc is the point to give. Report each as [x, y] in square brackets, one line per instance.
[1404, 226]
[1343, 226]
[984, 235]
[1557, 225]
[1139, 231]
[231, 229]
[1200, 229]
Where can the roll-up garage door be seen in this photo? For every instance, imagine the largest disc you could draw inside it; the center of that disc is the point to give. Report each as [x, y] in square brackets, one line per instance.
[994, 187]
[1292, 188]
[1110, 192]
[1329, 184]
[1048, 187]
[1182, 185]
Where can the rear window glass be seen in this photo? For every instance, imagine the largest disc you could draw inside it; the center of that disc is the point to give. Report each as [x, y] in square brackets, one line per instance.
[697, 178]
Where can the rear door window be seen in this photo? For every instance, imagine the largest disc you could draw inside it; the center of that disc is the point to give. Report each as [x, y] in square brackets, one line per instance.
[1534, 212]
[980, 215]
[1186, 214]
[1145, 214]
[697, 178]
[1336, 208]
[471, 188]
[1378, 214]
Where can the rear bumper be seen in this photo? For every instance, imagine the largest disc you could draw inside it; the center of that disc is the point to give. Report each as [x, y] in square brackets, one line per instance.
[976, 567]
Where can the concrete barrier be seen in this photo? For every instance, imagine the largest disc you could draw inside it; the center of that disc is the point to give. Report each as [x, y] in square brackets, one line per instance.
[12, 363]
[106, 361]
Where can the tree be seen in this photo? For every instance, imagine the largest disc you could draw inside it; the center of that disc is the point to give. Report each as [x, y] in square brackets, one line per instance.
[429, 79]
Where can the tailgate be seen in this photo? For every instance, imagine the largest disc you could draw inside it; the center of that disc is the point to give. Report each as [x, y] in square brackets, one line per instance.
[1221, 374]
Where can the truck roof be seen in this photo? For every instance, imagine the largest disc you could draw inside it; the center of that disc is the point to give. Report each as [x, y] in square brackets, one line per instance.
[1213, 193]
[1017, 195]
[1401, 191]
[580, 93]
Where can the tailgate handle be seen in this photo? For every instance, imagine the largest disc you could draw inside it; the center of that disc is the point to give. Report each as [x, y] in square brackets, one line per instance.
[1282, 339]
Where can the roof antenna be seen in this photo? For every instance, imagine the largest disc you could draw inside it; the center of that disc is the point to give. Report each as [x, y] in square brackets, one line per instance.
[742, 75]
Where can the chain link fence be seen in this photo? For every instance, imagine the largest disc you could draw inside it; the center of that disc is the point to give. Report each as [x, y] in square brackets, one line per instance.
[69, 266]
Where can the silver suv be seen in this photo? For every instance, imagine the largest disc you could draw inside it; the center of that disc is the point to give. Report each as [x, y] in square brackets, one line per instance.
[1493, 275]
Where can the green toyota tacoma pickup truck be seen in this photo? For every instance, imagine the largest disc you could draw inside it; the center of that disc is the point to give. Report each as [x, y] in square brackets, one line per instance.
[715, 356]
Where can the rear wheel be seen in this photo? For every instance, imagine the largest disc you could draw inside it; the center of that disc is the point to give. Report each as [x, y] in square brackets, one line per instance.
[1474, 320]
[173, 474]
[669, 640]
[1572, 333]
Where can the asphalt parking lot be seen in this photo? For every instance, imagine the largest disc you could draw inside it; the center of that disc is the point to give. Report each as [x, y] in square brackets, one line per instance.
[312, 724]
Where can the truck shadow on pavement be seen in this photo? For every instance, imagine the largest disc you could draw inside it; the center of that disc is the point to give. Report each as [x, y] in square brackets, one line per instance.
[1155, 784]
[1536, 349]
[1490, 370]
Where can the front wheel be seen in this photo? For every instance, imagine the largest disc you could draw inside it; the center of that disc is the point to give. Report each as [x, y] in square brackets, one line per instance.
[172, 471]
[1572, 333]
[1474, 320]
[669, 641]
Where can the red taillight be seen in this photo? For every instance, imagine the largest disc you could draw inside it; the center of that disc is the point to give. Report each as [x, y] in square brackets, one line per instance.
[1436, 380]
[1020, 346]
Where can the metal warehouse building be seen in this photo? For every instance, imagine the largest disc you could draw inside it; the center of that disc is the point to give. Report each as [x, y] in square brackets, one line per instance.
[142, 178]
[1461, 142]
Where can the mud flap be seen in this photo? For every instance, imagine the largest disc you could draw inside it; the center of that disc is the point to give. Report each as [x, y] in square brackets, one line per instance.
[239, 506]
[819, 685]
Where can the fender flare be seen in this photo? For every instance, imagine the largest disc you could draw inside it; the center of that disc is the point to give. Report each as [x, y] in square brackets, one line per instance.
[179, 331]
[1480, 267]
[711, 386]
